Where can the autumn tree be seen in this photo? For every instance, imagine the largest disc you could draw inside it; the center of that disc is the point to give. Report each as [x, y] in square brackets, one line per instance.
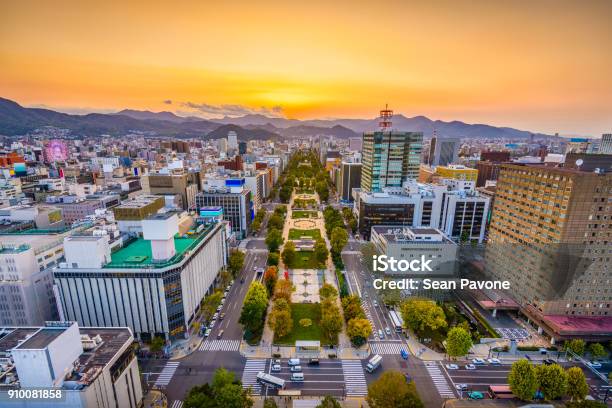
[270, 277]
[391, 390]
[458, 342]
[552, 380]
[522, 379]
[289, 254]
[422, 316]
[577, 387]
[358, 330]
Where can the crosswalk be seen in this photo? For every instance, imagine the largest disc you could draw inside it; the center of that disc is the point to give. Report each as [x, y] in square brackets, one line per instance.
[439, 380]
[354, 378]
[166, 374]
[249, 375]
[177, 404]
[386, 348]
[220, 345]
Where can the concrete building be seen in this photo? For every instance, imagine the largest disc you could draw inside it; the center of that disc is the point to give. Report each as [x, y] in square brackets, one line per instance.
[457, 172]
[185, 184]
[255, 181]
[606, 144]
[93, 367]
[549, 236]
[153, 284]
[232, 140]
[130, 214]
[443, 151]
[389, 159]
[350, 178]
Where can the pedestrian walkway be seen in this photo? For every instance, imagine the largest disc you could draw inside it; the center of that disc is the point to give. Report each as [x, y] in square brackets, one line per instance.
[220, 345]
[354, 378]
[167, 373]
[439, 380]
[386, 348]
[249, 375]
[366, 308]
[177, 404]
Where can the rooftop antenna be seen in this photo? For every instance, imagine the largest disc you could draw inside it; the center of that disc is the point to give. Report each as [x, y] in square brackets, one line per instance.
[385, 119]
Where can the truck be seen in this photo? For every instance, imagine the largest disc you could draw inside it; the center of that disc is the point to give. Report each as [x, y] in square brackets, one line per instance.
[374, 363]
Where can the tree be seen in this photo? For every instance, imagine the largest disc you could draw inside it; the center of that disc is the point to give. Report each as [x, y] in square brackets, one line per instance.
[522, 379]
[280, 320]
[283, 289]
[358, 330]
[392, 391]
[274, 239]
[329, 402]
[577, 386]
[235, 262]
[352, 223]
[289, 254]
[273, 258]
[552, 380]
[210, 303]
[254, 308]
[458, 342]
[328, 291]
[339, 238]
[422, 316]
[270, 277]
[276, 221]
[320, 252]
[352, 307]
[225, 391]
[575, 345]
[322, 190]
[586, 404]
[331, 320]
[157, 343]
[269, 403]
[367, 252]
[597, 351]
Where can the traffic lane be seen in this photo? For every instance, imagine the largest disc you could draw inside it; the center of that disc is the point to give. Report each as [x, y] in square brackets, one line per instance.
[150, 369]
[326, 378]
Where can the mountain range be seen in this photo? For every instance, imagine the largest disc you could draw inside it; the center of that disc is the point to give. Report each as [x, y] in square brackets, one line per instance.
[17, 120]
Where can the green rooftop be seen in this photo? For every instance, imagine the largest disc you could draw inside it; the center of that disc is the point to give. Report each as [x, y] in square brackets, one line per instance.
[137, 253]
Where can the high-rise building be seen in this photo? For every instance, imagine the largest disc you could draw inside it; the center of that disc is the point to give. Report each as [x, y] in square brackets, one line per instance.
[232, 140]
[185, 184]
[390, 158]
[350, 178]
[242, 147]
[443, 151]
[550, 237]
[355, 144]
[606, 144]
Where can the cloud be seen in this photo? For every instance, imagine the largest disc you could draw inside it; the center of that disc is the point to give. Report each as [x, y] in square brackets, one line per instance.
[233, 110]
[168, 101]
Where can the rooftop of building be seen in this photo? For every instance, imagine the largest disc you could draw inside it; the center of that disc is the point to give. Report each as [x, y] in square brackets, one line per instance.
[137, 253]
[140, 201]
[394, 233]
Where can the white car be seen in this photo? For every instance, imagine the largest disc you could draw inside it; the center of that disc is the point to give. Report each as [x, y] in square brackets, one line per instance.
[452, 367]
[494, 361]
[478, 361]
[470, 367]
[388, 331]
[296, 369]
[215, 316]
[381, 334]
[375, 303]
[276, 368]
[207, 333]
[594, 364]
[461, 387]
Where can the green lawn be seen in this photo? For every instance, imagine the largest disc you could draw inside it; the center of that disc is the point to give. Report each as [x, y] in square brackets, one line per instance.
[303, 214]
[299, 203]
[304, 260]
[299, 311]
[299, 233]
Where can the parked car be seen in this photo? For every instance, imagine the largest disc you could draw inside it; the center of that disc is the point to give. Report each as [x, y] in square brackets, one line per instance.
[475, 395]
[231, 283]
[215, 316]
[594, 364]
[212, 324]
[479, 361]
[494, 361]
[461, 387]
[219, 308]
[549, 361]
[207, 332]
[296, 369]
[276, 368]
[452, 367]
[388, 331]
[470, 367]
[221, 316]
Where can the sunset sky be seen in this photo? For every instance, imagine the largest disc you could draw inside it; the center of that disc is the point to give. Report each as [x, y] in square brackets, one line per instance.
[541, 66]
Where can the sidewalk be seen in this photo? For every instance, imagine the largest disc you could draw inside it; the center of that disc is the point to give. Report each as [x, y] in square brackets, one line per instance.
[155, 399]
[183, 348]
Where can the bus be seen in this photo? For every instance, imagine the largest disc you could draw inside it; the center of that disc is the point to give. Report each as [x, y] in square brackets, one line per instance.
[270, 380]
[397, 321]
[500, 392]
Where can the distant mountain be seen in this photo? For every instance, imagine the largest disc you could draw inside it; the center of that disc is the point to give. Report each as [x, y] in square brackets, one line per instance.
[17, 120]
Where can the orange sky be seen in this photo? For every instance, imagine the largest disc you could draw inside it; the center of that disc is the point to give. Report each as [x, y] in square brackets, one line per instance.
[543, 67]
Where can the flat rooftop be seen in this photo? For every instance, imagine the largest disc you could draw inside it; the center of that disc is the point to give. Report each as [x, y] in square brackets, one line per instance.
[138, 254]
[13, 336]
[42, 338]
[579, 324]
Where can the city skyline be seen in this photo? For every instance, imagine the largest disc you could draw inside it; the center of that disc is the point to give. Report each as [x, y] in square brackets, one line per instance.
[480, 63]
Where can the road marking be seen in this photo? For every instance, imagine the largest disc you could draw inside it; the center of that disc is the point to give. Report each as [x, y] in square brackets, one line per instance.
[354, 378]
[167, 373]
[439, 381]
[386, 348]
[177, 404]
[249, 375]
[220, 345]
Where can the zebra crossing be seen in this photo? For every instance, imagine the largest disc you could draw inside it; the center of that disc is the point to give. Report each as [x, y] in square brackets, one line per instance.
[439, 380]
[177, 404]
[249, 375]
[354, 378]
[167, 373]
[220, 345]
[386, 348]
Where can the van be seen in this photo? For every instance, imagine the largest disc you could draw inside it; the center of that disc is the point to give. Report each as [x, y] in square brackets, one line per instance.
[293, 361]
[297, 377]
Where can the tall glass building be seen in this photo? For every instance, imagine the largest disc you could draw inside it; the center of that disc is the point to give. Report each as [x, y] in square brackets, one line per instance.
[390, 158]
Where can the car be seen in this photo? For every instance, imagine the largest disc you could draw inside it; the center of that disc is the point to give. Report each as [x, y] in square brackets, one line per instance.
[212, 324]
[313, 361]
[293, 362]
[219, 308]
[215, 316]
[207, 332]
[231, 283]
[276, 361]
[220, 334]
[549, 361]
[461, 387]
[452, 367]
[223, 301]
[255, 268]
[221, 316]
[381, 335]
[594, 364]
[388, 331]
[375, 303]
[276, 368]
[404, 354]
[494, 361]
[475, 395]
[478, 361]
[470, 367]
[296, 369]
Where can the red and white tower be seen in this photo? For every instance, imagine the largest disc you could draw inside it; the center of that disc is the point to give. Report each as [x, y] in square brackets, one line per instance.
[385, 119]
